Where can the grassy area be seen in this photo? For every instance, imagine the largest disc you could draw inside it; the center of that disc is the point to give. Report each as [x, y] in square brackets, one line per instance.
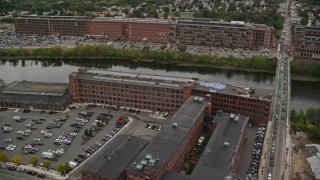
[190, 169]
[186, 14]
[182, 14]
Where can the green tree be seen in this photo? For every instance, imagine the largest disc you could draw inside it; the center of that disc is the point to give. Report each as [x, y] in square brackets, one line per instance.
[67, 167]
[46, 164]
[61, 168]
[166, 9]
[33, 160]
[182, 47]
[3, 156]
[107, 15]
[304, 21]
[165, 15]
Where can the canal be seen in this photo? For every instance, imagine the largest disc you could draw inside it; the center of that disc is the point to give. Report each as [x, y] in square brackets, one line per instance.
[304, 93]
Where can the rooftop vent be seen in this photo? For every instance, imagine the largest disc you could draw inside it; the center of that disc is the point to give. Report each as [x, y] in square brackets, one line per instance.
[200, 99]
[149, 156]
[236, 118]
[225, 144]
[152, 161]
[139, 166]
[144, 162]
[174, 125]
[232, 116]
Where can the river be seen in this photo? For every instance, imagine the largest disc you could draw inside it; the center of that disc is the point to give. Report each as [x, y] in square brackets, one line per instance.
[304, 94]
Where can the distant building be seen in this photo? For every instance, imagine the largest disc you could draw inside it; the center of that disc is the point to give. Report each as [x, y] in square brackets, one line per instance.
[205, 32]
[111, 161]
[51, 25]
[35, 95]
[306, 43]
[166, 152]
[190, 31]
[130, 29]
[166, 93]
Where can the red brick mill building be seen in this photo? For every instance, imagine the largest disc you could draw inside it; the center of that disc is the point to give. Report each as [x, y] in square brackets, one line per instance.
[190, 31]
[166, 93]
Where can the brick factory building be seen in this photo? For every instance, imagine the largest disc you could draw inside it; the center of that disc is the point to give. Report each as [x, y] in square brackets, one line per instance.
[222, 153]
[130, 29]
[163, 93]
[142, 91]
[167, 150]
[35, 95]
[51, 25]
[205, 32]
[306, 44]
[190, 31]
[111, 162]
[254, 103]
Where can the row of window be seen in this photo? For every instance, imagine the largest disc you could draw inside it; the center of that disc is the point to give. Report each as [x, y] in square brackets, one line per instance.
[105, 85]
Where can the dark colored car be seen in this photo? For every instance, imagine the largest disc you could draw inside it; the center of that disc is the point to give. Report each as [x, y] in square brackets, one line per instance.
[41, 175]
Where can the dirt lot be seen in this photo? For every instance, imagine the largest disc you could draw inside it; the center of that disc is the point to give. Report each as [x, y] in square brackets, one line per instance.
[300, 168]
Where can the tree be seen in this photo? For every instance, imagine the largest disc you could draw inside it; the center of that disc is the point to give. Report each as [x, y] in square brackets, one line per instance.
[165, 15]
[17, 160]
[126, 11]
[86, 133]
[67, 167]
[46, 164]
[34, 160]
[3, 156]
[107, 15]
[166, 9]
[304, 21]
[90, 133]
[182, 47]
[61, 168]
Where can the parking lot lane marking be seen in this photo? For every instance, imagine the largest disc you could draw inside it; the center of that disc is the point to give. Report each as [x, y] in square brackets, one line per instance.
[136, 131]
[16, 177]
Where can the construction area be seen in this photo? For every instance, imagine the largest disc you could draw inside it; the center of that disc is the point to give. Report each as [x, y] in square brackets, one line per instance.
[300, 167]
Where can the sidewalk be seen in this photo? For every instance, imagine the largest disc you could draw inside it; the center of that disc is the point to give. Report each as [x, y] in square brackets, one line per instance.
[50, 173]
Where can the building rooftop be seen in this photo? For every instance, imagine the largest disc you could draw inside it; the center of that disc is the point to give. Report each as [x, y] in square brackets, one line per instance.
[36, 88]
[115, 157]
[140, 20]
[54, 17]
[212, 22]
[221, 150]
[210, 87]
[35, 98]
[135, 78]
[162, 148]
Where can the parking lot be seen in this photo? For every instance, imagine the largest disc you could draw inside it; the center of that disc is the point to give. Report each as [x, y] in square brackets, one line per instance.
[33, 142]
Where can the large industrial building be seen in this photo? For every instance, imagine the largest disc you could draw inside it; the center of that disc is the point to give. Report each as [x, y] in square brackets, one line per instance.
[306, 44]
[132, 158]
[165, 93]
[167, 150]
[51, 25]
[111, 162]
[223, 151]
[131, 29]
[35, 95]
[141, 91]
[236, 34]
[190, 31]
